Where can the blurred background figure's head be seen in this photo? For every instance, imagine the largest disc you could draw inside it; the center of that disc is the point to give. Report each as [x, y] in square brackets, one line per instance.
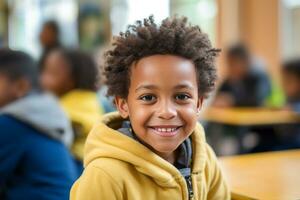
[67, 69]
[246, 84]
[291, 79]
[49, 40]
[238, 61]
[18, 75]
[49, 35]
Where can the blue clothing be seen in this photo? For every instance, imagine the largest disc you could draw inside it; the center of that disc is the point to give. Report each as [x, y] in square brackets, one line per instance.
[295, 105]
[105, 102]
[34, 165]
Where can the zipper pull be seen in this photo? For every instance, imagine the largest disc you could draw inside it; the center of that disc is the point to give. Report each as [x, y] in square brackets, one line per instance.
[189, 187]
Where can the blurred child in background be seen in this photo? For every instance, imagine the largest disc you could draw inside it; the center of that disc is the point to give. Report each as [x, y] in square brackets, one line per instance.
[49, 39]
[246, 85]
[290, 134]
[73, 76]
[34, 159]
[291, 84]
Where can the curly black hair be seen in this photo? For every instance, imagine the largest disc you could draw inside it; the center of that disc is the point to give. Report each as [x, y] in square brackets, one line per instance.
[84, 69]
[174, 36]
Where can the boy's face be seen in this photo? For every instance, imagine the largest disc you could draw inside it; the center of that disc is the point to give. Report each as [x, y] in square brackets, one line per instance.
[12, 90]
[291, 85]
[56, 75]
[162, 102]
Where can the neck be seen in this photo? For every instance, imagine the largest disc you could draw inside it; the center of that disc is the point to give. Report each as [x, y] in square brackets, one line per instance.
[169, 157]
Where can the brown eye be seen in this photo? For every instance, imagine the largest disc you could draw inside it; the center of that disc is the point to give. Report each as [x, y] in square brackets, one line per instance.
[148, 98]
[182, 97]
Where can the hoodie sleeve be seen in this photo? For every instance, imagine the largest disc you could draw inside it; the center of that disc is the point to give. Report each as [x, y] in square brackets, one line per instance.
[95, 184]
[217, 187]
[11, 150]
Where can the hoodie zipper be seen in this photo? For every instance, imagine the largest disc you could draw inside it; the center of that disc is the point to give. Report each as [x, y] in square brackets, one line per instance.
[188, 180]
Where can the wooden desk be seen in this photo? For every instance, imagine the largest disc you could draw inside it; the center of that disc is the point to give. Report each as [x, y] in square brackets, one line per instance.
[269, 176]
[249, 116]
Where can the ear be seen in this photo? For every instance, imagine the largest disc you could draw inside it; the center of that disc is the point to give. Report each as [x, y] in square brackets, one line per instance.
[199, 104]
[122, 106]
[22, 87]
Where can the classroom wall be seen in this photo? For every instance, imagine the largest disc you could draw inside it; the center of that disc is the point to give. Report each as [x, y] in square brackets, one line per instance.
[227, 29]
[254, 22]
[260, 30]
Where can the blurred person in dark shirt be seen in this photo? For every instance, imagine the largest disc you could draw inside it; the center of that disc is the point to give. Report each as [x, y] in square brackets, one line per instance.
[35, 162]
[246, 85]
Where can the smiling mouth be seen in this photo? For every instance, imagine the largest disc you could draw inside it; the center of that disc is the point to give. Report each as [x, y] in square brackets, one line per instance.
[166, 131]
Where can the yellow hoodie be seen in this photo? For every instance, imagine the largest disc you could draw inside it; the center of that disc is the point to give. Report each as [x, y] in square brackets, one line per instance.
[83, 109]
[118, 167]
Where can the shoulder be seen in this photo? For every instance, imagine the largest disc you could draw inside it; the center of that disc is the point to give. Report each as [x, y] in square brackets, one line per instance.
[112, 167]
[11, 127]
[100, 180]
[16, 131]
[211, 161]
[6, 120]
[214, 177]
[114, 171]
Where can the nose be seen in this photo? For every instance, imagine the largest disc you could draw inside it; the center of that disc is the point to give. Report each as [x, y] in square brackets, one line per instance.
[167, 110]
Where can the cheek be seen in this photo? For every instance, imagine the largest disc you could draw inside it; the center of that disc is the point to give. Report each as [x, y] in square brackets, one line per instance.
[189, 115]
[139, 114]
[50, 81]
[7, 94]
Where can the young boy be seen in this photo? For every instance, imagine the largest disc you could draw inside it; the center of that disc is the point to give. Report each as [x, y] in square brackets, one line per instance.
[154, 148]
[34, 134]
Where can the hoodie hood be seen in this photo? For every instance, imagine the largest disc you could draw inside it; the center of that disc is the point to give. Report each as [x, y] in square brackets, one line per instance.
[105, 141]
[42, 111]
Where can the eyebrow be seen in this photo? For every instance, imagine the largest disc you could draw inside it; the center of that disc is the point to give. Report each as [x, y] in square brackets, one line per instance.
[149, 87]
[177, 87]
[184, 86]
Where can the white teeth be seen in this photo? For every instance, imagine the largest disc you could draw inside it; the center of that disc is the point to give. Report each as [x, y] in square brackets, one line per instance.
[166, 129]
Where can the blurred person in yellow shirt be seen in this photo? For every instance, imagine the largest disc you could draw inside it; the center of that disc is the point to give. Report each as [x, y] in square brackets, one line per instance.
[73, 75]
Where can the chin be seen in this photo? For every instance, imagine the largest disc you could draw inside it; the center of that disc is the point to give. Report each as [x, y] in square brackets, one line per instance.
[165, 148]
